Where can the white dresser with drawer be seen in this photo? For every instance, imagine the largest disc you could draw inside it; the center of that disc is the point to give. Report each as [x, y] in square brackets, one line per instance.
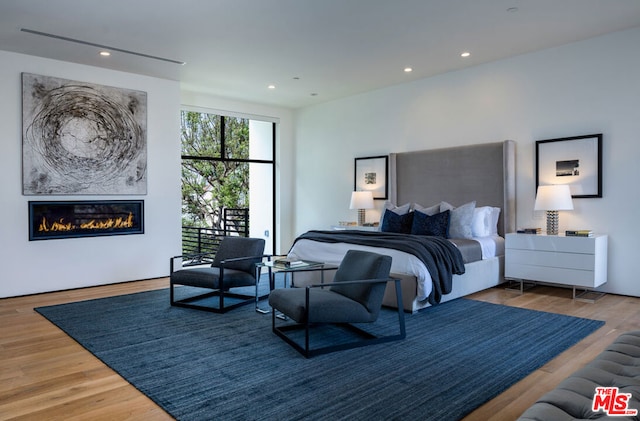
[576, 261]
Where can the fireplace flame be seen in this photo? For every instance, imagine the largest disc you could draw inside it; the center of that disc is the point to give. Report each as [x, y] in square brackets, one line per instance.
[100, 224]
[59, 225]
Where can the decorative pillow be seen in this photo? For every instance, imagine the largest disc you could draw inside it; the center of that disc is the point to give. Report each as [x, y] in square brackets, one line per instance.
[437, 224]
[431, 210]
[392, 222]
[481, 221]
[399, 210]
[460, 221]
[493, 223]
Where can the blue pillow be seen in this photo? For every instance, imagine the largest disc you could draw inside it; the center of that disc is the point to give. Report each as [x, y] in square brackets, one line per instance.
[392, 222]
[436, 225]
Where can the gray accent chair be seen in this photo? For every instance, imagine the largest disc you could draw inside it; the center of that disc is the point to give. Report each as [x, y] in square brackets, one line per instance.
[354, 296]
[235, 265]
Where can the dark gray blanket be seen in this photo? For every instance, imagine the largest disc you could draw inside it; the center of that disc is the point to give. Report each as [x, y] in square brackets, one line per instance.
[439, 255]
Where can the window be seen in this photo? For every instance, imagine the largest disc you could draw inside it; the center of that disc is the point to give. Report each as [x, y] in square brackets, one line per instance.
[227, 179]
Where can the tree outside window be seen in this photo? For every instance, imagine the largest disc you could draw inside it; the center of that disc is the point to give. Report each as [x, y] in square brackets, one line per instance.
[215, 171]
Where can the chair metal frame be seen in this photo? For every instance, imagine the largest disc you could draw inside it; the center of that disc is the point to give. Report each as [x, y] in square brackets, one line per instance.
[368, 338]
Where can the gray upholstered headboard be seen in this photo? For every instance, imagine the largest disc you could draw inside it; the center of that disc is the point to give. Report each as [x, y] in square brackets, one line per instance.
[484, 173]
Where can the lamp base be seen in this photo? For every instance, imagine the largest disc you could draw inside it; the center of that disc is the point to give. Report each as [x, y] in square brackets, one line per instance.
[361, 217]
[552, 222]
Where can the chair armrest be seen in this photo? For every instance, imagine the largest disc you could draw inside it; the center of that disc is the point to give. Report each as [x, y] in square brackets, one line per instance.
[239, 259]
[193, 256]
[359, 281]
[317, 267]
[197, 259]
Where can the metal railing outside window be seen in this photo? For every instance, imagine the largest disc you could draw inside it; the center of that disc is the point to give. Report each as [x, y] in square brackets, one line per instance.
[201, 241]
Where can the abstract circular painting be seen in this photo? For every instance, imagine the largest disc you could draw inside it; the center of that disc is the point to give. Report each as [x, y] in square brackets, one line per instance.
[82, 138]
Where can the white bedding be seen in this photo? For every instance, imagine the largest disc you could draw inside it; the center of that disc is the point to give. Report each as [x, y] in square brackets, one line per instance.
[402, 263]
[491, 246]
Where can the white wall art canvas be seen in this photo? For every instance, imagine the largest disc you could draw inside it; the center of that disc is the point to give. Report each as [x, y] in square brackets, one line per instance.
[81, 138]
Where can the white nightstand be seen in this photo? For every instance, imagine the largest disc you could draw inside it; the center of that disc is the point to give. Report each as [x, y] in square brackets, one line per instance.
[580, 262]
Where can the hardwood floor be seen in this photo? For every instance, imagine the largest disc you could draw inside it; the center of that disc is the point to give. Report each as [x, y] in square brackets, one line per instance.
[620, 313]
[44, 374]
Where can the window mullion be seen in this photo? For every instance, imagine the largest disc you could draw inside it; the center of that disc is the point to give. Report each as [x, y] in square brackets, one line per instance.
[223, 152]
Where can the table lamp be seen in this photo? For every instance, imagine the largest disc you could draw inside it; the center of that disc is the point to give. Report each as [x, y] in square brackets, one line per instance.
[552, 199]
[361, 200]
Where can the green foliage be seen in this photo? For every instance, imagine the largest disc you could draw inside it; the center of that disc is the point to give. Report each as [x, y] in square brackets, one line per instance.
[211, 179]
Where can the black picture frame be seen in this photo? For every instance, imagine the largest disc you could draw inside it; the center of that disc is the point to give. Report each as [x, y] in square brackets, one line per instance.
[372, 173]
[576, 161]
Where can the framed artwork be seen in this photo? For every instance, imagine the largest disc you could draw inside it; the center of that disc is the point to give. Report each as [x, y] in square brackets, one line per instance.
[576, 161]
[82, 138]
[371, 173]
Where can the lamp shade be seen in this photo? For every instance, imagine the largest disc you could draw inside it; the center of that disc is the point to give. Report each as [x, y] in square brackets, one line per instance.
[553, 198]
[361, 200]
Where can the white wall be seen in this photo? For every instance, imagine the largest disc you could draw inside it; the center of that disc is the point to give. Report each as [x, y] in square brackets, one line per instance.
[48, 265]
[582, 88]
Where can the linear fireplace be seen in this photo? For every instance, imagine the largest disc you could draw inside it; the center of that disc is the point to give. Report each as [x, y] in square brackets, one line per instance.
[89, 218]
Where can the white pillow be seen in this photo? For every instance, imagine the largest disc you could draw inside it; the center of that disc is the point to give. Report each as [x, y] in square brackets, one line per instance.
[400, 210]
[493, 222]
[485, 221]
[481, 221]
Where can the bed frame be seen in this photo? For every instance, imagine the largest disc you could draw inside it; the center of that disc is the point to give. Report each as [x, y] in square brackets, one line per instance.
[484, 173]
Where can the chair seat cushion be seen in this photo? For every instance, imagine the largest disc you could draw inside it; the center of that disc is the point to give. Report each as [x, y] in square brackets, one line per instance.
[209, 277]
[325, 305]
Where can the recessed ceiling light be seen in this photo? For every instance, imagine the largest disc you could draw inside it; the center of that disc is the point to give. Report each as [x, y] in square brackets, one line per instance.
[105, 53]
[408, 69]
[271, 87]
[465, 54]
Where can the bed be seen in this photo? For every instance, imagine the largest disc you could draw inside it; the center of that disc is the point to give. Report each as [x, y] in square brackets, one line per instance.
[457, 176]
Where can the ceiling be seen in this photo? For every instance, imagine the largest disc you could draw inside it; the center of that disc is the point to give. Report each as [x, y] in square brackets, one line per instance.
[311, 50]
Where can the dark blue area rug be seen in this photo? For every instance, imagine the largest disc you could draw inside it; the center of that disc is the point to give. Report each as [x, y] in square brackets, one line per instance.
[203, 366]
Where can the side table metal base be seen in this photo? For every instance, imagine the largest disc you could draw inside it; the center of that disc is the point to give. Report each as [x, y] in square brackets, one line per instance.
[588, 296]
[519, 286]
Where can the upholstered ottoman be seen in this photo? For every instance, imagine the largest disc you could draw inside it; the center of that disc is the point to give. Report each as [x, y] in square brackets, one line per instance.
[573, 399]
